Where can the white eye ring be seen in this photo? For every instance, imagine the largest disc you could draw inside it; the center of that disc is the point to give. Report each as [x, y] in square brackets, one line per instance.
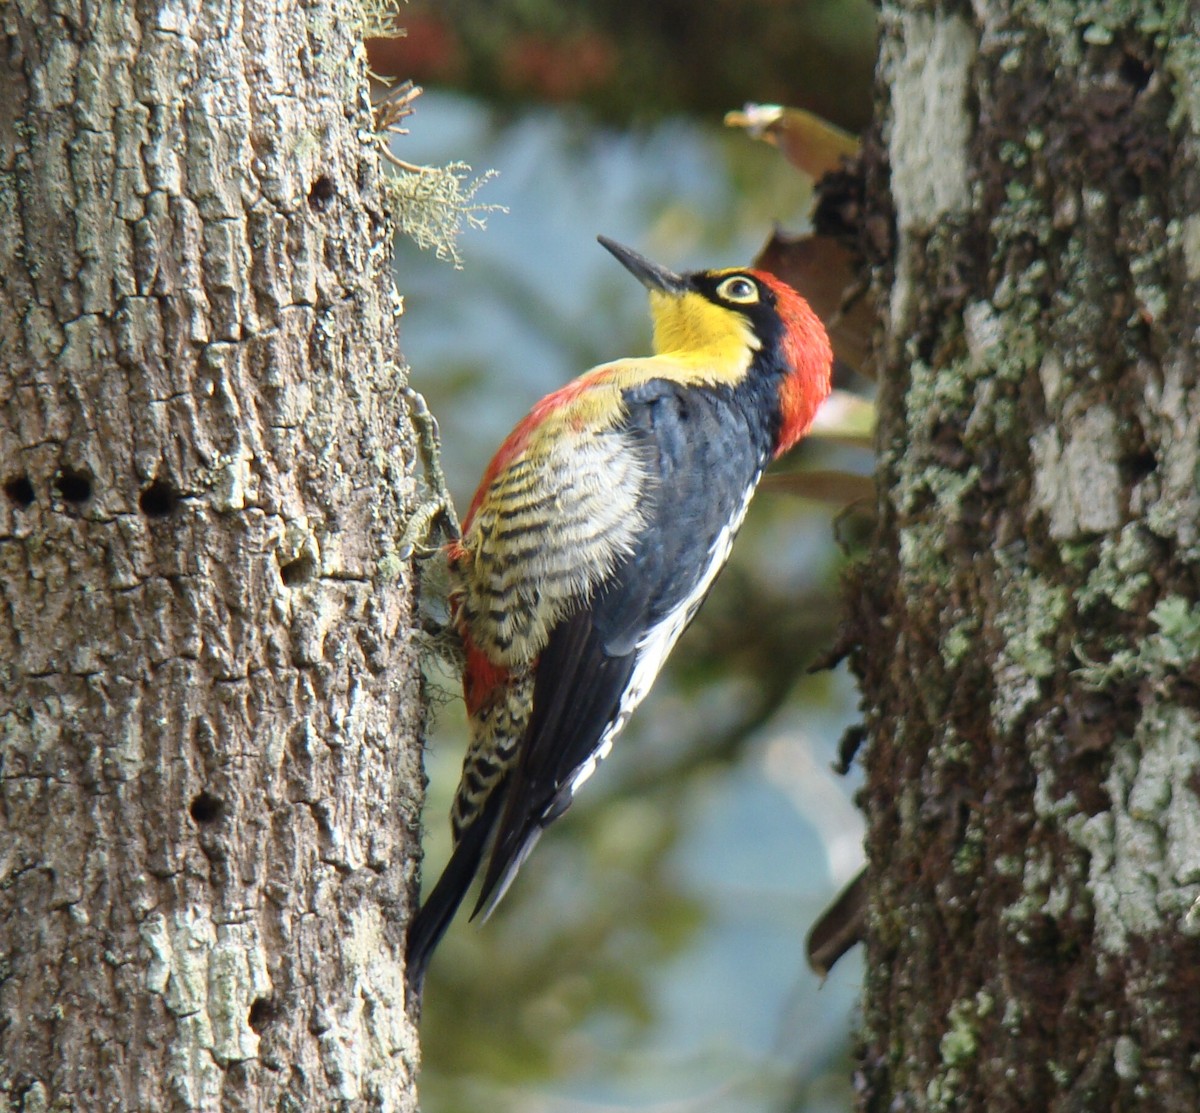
[739, 289]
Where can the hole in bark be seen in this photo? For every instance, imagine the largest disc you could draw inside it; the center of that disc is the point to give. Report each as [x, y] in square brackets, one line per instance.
[1135, 71]
[1141, 465]
[158, 500]
[73, 486]
[298, 571]
[262, 1012]
[19, 491]
[206, 808]
[322, 192]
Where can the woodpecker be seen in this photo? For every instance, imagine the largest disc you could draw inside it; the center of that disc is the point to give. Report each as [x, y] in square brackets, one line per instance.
[595, 534]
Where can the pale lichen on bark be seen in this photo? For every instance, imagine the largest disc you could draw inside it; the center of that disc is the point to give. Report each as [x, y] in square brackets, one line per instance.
[1077, 481]
[1033, 638]
[927, 61]
[1146, 849]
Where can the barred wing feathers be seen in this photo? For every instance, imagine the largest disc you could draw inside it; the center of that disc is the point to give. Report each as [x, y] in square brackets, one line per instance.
[705, 458]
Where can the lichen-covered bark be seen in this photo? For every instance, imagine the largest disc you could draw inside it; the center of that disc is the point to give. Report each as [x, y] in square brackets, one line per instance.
[1028, 627]
[207, 698]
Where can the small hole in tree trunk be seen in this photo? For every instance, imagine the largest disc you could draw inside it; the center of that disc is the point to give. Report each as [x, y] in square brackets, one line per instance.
[73, 486]
[158, 500]
[1141, 465]
[321, 194]
[262, 1012]
[206, 808]
[1135, 71]
[298, 571]
[19, 491]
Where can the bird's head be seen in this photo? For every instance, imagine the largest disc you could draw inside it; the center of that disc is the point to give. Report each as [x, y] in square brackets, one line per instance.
[739, 323]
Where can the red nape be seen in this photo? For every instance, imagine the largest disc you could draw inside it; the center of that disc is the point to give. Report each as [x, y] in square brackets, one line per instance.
[809, 357]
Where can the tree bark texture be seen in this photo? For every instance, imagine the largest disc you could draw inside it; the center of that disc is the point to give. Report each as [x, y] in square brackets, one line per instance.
[1028, 628]
[208, 703]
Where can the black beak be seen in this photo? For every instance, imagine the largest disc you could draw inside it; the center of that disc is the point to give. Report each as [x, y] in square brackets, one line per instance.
[649, 274]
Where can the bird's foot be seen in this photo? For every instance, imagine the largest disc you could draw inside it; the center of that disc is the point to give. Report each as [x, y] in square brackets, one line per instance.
[437, 511]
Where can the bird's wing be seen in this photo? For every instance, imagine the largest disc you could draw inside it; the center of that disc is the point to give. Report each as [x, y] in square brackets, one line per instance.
[550, 526]
[703, 462]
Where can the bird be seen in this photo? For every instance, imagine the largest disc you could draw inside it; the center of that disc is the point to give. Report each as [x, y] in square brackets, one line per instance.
[595, 534]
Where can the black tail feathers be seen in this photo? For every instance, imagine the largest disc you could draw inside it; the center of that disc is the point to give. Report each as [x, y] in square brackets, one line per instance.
[431, 922]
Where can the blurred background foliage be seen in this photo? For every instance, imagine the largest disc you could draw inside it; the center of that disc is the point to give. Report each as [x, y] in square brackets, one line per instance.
[636, 62]
[650, 955]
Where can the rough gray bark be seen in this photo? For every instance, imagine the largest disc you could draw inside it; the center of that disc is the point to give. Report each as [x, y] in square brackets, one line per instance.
[208, 775]
[1029, 635]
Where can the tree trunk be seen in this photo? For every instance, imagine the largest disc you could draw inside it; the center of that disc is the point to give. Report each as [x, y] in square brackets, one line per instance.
[209, 778]
[1029, 636]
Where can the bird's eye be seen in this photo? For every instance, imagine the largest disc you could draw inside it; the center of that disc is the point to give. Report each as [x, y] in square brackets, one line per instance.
[738, 289]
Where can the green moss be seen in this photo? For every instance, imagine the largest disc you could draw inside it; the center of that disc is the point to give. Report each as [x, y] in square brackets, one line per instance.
[1122, 572]
[1008, 865]
[1097, 34]
[930, 393]
[1023, 214]
[960, 642]
[1182, 62]
[1098, 22]
[1150, 262]
[968, 857]
[1063, 1076]
[1173, 647]
[1015, 155]
[922, 554]
[958, 1047]
[929, 495]
[390, 567]
[1178, 621]
[961, 1042]
[1034, 613]
[1038, 873]
[1029, 622]
[1077, 554]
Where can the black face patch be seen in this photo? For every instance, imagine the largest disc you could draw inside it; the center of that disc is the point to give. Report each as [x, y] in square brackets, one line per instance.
[756, 304]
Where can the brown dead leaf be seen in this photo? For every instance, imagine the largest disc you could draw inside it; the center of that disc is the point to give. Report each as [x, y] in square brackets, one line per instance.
[825, 272]
[834, 488]
[813, 145]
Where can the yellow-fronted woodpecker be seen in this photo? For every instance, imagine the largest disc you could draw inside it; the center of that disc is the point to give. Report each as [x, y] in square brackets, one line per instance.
[595, 534]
